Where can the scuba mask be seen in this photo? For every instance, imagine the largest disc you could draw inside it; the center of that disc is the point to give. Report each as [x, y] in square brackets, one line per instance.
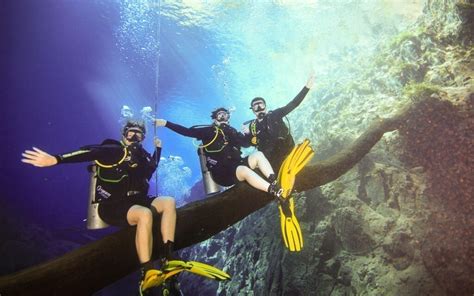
[134, 131]
[222, 116]
[258, 106]
[136, 136]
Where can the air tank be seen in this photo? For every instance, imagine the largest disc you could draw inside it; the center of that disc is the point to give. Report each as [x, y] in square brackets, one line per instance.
[210, 187]
[93, 219]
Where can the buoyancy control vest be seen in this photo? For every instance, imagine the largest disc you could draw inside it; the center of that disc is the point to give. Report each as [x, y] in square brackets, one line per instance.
[270, 133]
[128, 176]
[219, 144]
[219, 147]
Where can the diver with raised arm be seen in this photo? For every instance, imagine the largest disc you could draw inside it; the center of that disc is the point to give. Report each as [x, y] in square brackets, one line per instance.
[268, 132]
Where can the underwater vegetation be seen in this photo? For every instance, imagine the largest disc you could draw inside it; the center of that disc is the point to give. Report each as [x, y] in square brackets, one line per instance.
[420, 91]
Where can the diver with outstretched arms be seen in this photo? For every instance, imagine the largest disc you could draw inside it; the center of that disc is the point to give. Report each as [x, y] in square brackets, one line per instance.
[222, 144]
[124, 169]
[268, 132]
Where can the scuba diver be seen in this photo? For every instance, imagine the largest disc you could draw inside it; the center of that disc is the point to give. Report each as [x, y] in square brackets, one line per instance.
[222, 144]
[124, 169]
[268, 132]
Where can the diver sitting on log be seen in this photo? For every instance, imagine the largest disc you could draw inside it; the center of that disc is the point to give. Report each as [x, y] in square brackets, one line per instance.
[123, 171]
[222, 144]
[268, 132]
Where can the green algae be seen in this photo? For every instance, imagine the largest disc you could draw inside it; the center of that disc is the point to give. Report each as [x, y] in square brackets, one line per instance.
[420, 91]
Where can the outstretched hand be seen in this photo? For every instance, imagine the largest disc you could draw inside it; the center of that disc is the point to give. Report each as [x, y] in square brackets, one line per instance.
[160, 122]
[310, 82]
[38, 158]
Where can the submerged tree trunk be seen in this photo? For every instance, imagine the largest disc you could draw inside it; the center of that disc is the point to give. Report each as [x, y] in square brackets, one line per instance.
[98, 264]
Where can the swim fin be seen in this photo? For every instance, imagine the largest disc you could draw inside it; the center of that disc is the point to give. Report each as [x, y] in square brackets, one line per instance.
[154, 277]
[290, 227]
[292, 165]
[198, 268]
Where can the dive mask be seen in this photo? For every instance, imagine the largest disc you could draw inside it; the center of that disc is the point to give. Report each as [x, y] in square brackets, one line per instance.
[137, 135]
[222, 116]
[258, 106]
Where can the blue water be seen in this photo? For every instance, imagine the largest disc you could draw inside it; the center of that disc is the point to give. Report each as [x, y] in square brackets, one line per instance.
[69, 66]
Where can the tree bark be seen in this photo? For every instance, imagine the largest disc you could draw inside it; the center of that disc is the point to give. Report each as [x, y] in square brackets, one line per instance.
[98, 264]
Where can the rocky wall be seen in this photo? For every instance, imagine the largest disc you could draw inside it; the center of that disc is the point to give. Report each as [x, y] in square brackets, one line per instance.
[399, 223]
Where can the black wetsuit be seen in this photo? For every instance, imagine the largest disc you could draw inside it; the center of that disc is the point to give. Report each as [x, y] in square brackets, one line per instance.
[122, 177]
[222, 151]
[273, 137]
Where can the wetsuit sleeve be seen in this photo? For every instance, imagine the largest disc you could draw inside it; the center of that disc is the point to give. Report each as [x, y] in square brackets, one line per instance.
[188, 132]
[156, 156]
[244, 139]
[247, 140]
[102, 153]
[153, 164]
[240, 138]
[283, 111]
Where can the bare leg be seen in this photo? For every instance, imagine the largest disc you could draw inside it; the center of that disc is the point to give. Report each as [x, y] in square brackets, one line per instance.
[258, 160]
[244, 173]
[143, 218]
[166, 206]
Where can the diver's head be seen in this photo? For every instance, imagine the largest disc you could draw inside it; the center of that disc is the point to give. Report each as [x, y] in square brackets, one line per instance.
[220, 115]
[133, 132]
[259, 107]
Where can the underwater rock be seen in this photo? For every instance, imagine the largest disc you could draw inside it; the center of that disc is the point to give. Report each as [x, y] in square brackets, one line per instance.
[351, 231]
[243, 250]
[345, 276]
[325, 285]
[439, 141]
[376, 189]
[313, 206]
[448, 255]
[327, 242]
[331, 267]
[466, 14]
[400, 249]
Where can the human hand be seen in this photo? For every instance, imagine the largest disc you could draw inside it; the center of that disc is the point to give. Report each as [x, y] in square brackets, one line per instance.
[38, 158]
[157, 142]
[160, 122]
[310, 82]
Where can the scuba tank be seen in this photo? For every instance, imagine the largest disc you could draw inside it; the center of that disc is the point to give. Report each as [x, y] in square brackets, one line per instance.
[210, 187]
[93, 219]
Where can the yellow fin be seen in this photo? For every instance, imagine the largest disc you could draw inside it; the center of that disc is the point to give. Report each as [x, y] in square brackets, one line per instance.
[292, 165]
[290, 227]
